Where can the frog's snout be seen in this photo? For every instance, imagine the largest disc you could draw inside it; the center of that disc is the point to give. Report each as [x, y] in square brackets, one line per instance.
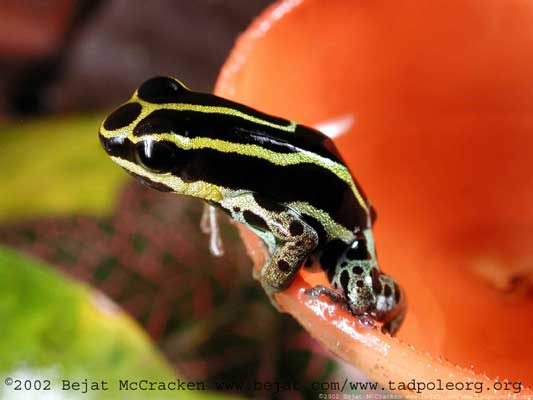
[114, 146]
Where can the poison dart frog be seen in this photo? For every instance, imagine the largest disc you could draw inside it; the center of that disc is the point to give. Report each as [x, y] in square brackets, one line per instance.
[285, 181]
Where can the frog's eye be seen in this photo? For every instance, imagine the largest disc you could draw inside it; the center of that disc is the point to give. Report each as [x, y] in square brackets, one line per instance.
[160, 90]
[158, 157]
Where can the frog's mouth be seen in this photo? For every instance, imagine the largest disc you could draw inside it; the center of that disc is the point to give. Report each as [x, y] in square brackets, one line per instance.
[149, 183]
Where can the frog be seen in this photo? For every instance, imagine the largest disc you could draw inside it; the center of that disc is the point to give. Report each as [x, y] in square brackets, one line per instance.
[285, 181]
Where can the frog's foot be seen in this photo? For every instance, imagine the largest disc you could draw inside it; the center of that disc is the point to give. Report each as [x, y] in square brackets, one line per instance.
[209, 225]
[391, 307]
[364, 319]
[316, 291]
[392, 326]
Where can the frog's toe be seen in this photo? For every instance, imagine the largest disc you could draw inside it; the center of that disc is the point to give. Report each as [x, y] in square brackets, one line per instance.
[316, 291]
[392, 326]
[366, 321]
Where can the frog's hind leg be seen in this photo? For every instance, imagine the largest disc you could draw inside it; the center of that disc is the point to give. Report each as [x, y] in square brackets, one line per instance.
[288, 237]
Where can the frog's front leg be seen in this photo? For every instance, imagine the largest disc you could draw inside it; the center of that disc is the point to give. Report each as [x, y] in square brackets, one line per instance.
[289, 239]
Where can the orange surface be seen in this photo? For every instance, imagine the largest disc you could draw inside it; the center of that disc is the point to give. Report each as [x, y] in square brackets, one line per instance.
[442, 96]
[32, 29]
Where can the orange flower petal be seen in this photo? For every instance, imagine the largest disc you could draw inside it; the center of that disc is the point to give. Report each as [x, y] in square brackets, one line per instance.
[441, 94]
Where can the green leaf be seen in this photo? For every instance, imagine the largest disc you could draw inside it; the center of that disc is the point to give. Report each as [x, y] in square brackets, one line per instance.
[56, 167]
[54, 328]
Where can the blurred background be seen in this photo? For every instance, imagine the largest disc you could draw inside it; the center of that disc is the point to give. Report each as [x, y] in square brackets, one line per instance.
[68, 55]
[78, 237]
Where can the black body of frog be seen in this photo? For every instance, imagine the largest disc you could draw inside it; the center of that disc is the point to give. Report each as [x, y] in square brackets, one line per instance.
[285, 181]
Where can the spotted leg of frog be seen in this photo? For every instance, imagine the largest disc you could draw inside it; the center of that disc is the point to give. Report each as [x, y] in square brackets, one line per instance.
[285, 181]
[366, 291]
[289, 239]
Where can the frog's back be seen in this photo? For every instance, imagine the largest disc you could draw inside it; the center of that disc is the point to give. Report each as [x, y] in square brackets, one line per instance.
[239, 148]
[217, 118]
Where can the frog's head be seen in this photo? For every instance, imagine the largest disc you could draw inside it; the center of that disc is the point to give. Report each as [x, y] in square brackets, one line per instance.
[148, 137]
